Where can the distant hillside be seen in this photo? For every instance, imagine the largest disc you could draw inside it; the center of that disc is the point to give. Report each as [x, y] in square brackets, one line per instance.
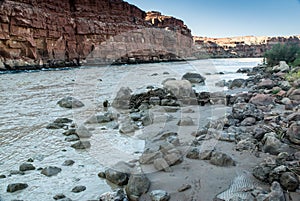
[244, 46]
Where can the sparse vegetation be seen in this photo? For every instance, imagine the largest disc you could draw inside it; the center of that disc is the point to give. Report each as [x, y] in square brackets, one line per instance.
[292, 76]
[283, 52]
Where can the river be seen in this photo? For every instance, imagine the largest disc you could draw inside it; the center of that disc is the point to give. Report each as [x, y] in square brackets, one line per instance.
[29, 103]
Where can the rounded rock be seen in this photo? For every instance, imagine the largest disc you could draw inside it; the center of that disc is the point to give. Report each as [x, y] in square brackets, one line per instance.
[159, 195]
[78, 189]
[26, 167]
[16, 187]
[289, 181]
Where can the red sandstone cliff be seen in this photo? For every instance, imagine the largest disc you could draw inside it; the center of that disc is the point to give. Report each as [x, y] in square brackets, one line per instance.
[47, 33]
[245, 46]
[168, 23]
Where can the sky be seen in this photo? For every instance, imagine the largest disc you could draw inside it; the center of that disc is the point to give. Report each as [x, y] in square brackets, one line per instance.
[228, 18]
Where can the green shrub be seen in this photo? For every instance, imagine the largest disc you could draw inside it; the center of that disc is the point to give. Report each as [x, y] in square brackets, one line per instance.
[292, 76]
[283, 52]
[297, 60]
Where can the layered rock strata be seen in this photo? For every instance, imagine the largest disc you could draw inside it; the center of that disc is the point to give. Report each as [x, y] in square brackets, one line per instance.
[241, 47]
[52, 33]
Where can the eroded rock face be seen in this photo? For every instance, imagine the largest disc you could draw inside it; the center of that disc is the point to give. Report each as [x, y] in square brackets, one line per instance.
[54, 33]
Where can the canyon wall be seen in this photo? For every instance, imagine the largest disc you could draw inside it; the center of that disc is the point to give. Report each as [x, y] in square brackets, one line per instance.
[241, 47]
[55, 33]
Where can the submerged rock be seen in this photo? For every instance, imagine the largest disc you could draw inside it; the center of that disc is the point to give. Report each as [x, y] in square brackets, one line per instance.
[51, 171]
[56, 126]
[16, 187]
[2, 176]
[68, 163]
[194, 78]
[26, 167]
[78, 189]
[70, 102]
[62, 120]
[72, 138]
[184, 187]
[237, 83]
[83, 132]
[81, 145]
[59, 196]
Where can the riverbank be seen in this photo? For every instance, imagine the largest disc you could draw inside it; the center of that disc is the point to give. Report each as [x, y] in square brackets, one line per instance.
[154, 130]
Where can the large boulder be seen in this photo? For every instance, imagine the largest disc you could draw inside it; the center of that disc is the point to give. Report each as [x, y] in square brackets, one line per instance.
[289, 181]
[262, 100]
[138, 185]
[282, 67]
[194, 78]
[266, 84]
[182, 89]
[272, 144]
[70, 102]
[295, 95]
[122, 99]
[293, 133]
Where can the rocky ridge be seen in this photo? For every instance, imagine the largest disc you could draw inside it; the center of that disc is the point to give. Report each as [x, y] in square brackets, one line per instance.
[241, 47]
